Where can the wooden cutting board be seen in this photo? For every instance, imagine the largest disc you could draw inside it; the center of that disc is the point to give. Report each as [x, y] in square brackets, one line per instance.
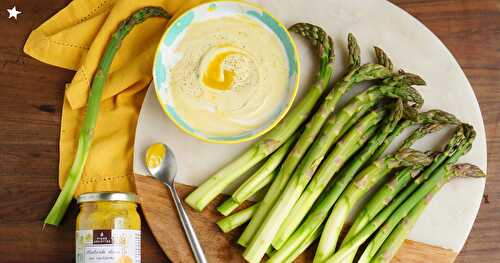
[161, 216]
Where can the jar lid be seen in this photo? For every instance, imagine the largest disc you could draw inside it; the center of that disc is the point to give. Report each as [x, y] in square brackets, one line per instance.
[107, 196]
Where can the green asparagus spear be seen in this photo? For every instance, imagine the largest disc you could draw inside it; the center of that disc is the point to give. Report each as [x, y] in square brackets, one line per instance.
[206, 192]
[361, 104]
[353, 51]
[383, 59]
[327, 169]
[320, 211]
[458, 145]
[87, 130]
[301, 239]
[262, 239]
[237, 219]
[231, 204]
[385, 194]
[357, 189]
[429, 117]
[402, 125]
[262, 177]
[335, 126]
[394, 241]
[300, 249]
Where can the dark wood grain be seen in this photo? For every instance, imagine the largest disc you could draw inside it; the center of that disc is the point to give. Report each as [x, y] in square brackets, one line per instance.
[31, 100]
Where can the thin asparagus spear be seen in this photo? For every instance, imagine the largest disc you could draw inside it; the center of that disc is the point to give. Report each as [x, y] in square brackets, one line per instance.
[230, 204]
[429, 117]
[237, 219]
[87, 130]
[334, 127]
[458, 145]
[394, 241]
[262, 239]
[263, 176]
[402, 125]
[206, 192]
[246, 189]
[327, 169]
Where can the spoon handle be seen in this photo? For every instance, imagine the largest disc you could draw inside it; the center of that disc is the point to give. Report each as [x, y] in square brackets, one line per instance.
[188, 228]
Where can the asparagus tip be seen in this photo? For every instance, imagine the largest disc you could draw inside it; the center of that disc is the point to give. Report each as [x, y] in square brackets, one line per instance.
[467, 170]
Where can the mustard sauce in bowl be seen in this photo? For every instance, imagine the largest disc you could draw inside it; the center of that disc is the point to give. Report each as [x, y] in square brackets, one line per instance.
[226, 72]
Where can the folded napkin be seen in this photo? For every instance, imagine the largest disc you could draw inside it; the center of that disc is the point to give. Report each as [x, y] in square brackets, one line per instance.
[75, 39]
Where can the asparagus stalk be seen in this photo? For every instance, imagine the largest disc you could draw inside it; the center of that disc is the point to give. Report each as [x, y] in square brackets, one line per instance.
[206, 192]
[335, 126]
[390, 189]
[320, 211]
[437, 117]
[262, 177]
[231, 204]
[89, 122]
[300, 249]
[262, 239]
[327, 169]
[237, 219]
[311, 228]
[247, 189]
[402, 125]
[360, 106]
[394, 241]
[357, 189]
[458, 145]
[308, 231]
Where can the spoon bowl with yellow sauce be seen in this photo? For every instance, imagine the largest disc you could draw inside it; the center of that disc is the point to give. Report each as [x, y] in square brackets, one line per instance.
[226, 72]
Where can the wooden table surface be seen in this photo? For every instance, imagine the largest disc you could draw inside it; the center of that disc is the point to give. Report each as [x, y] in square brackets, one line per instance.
[30, 112]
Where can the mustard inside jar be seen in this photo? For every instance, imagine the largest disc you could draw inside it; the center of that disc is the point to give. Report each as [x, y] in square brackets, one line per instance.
[108, 228]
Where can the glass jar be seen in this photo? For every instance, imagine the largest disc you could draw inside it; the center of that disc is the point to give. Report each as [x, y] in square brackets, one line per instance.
[108, 228]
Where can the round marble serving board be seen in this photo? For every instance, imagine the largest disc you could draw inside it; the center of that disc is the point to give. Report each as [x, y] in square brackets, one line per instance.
[447, 221]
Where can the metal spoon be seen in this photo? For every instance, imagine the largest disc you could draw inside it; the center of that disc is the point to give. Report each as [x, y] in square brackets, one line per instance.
[160, 161]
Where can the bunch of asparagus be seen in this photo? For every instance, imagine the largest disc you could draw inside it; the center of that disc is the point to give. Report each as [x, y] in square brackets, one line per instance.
[321, 162]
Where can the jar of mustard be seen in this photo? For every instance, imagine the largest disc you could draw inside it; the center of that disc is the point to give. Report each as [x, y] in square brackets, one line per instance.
[108, 228]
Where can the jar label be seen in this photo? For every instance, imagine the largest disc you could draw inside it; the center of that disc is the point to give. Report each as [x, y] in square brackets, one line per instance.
[108, 246]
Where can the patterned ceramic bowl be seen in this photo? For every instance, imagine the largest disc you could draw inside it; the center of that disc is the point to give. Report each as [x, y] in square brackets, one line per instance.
[167, 56]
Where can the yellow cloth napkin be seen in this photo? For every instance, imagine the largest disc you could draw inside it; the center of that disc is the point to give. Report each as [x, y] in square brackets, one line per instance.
[75, 39]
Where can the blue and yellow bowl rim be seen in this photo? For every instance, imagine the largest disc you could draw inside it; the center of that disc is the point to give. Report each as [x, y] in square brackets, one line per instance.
[182, 125]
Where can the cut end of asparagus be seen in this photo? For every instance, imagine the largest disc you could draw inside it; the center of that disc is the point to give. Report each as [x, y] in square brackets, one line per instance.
[192, 202]
[228, 206]
[237, 219]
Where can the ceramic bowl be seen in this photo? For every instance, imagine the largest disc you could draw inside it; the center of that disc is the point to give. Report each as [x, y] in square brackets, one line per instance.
[167, 50]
